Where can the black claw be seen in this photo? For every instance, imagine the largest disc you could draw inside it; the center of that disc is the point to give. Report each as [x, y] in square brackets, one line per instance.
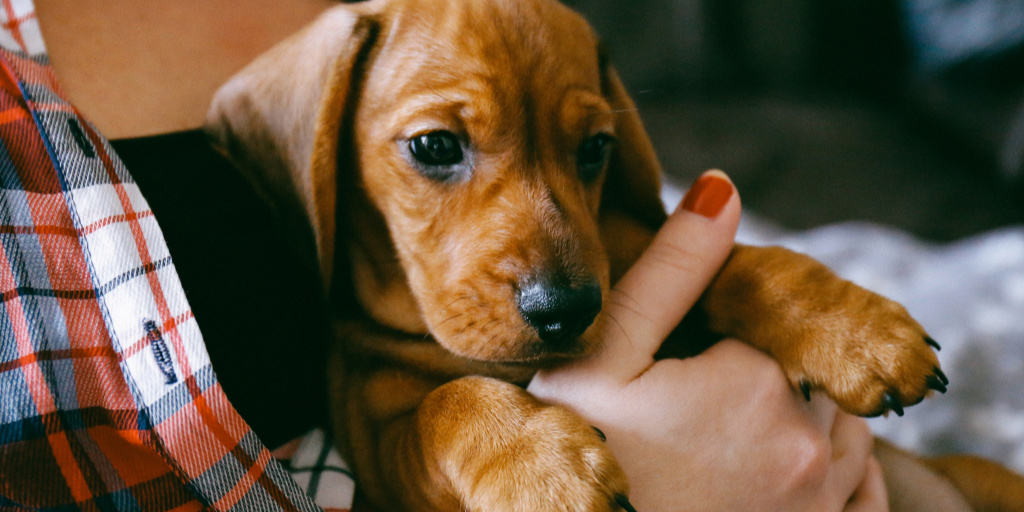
[933, 343]
[893, 403]
[935, 383]
[599, 433]
[624, 503]
[942, 376]
[806, 388]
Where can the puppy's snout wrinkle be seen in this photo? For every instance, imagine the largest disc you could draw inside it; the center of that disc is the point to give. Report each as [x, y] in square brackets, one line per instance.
[558, 310]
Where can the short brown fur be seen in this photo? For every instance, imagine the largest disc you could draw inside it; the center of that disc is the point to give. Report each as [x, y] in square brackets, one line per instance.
[432, 350]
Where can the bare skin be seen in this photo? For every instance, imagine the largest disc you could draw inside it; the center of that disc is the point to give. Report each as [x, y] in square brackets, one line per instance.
[152, 67]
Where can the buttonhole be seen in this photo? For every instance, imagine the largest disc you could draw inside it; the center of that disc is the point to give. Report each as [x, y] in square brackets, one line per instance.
[79, 135]
[163, 356]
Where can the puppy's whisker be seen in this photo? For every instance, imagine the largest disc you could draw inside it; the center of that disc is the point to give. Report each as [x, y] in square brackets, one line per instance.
[489, 324]
[446, 320]
[486, 328]
[487, 343]
[613, 112]
[452, 303]
[458, 299]
[464, 327]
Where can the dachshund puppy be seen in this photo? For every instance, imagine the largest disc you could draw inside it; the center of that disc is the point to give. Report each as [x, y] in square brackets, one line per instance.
[474, 177]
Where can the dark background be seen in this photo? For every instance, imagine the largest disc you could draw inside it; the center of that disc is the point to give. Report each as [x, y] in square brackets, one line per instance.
[903, 112]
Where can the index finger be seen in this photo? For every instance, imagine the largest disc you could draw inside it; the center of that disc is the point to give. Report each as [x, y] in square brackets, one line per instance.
[651, 299]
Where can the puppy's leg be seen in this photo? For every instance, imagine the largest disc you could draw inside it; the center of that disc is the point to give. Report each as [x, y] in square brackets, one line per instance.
[987, 486]
[499, 449]
[481, 444]
[864, 350]
[913, 487]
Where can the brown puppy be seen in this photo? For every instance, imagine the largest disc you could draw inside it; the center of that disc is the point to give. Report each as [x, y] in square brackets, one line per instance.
[475, 177]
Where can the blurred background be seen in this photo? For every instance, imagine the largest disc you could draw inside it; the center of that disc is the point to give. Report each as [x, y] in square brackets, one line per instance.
[884, 138]
[908, 113]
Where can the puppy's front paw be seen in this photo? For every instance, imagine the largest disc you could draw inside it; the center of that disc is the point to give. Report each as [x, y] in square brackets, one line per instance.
[866, 353]
[862, 349]
[556, 463]
[516, 454]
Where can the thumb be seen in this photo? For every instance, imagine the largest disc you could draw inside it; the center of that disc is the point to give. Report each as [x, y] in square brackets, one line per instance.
[651, 299]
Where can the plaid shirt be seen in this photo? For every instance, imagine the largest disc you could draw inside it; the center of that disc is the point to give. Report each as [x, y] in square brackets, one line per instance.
[107, 397]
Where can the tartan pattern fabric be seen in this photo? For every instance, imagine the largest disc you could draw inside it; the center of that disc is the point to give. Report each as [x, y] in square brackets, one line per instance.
[107, 397]
[315, 465]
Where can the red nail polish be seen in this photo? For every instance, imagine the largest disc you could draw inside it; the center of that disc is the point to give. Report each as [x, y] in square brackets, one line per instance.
[708, 196]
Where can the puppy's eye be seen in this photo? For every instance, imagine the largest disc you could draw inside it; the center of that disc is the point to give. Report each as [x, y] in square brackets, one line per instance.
[593, 155]
[440, 148]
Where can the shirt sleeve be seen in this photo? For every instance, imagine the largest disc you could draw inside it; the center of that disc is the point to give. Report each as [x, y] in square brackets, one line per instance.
[107, 397]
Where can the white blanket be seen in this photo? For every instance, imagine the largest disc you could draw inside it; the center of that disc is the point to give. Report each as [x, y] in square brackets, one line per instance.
[969, 296]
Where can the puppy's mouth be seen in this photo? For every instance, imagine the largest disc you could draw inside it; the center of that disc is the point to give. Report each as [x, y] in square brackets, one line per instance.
[534, 355]
[543, 323]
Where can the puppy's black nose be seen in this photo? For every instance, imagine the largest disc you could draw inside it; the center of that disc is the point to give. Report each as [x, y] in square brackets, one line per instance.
[560, 312]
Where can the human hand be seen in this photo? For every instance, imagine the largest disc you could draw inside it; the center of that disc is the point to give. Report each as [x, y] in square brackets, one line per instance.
[720, 431]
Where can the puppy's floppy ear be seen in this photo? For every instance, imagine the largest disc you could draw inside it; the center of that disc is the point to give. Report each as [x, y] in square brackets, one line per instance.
[631, 208]
[279, 121]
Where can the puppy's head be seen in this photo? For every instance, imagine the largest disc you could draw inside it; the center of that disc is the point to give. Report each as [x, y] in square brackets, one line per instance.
[492, 172]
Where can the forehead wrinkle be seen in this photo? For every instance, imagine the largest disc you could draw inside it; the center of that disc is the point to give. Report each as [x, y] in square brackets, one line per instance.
[526, 37]
[499, 82]
[416, 41]
[463, 98]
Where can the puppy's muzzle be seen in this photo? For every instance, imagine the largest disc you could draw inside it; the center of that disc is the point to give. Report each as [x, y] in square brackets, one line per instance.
[558, 310]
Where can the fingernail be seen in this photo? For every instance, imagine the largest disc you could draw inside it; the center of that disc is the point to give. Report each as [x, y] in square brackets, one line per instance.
[708, 195]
